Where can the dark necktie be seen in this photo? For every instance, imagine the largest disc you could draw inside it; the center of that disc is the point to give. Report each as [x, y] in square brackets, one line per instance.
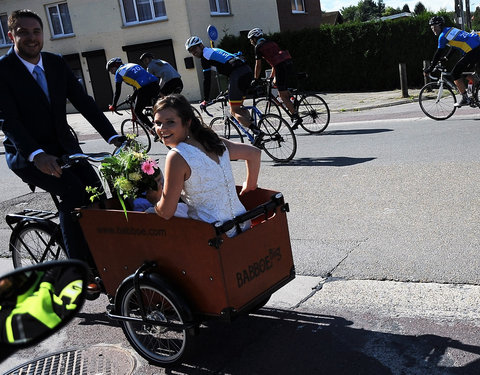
[42, 80]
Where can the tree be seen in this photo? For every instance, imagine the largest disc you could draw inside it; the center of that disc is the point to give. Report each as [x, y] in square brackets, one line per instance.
[406, 8]
[349, 13]
[389, 11]
[419, 8]
[476, 19]
[366, 10]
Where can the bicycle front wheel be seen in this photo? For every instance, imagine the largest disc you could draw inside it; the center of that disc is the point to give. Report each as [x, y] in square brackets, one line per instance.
[36, 242]
[314, 112]
[279, 141]
[267, 106]
[142, 134]
[437, 101]
[223, 127]
[156, 343]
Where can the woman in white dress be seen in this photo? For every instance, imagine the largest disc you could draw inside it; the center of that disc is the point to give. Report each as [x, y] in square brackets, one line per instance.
[197, 168]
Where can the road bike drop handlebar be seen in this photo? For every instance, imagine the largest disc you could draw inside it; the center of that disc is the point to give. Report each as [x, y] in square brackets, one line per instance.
[222, 97]
[128, 100]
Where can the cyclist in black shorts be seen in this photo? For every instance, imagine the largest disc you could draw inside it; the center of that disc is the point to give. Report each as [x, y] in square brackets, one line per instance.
[467, 43]
[238, 72]
[282, 68]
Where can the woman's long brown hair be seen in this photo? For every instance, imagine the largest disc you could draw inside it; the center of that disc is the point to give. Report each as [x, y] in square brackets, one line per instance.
[203, 134]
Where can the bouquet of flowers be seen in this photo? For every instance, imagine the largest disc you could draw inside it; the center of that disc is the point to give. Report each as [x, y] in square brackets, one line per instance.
[129, 173]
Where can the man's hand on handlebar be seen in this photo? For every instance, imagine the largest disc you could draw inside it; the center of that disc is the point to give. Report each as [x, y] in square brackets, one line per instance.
[47, 164]
[112, 108]
[119, 141]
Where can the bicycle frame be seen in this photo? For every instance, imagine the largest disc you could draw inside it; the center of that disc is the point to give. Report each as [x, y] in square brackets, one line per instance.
[293, 92]
[256, 116]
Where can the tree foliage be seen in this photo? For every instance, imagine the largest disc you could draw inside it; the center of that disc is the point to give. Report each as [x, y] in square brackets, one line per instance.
[476, 19]
[419, 8]
[366, 10]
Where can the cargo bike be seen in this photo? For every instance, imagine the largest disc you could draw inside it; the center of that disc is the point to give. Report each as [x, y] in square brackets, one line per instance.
[164, 278]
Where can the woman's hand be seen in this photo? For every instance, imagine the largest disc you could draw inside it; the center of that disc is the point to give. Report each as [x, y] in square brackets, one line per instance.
[153, 196]
[246, 188]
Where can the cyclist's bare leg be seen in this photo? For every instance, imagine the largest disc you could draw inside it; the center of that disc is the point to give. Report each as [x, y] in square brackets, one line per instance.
[241, 114]
[285, 96]
[460, 83]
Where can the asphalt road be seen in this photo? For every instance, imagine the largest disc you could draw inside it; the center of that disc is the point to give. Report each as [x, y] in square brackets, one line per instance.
[383, 220]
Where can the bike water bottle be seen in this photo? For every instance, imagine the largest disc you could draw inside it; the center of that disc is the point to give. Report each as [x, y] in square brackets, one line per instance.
[469, 87]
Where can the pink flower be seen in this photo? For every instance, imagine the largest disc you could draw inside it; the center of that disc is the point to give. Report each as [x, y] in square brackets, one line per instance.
[149, 166]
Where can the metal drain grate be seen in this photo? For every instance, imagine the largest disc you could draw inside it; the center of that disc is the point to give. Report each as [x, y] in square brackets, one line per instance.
[97, 360]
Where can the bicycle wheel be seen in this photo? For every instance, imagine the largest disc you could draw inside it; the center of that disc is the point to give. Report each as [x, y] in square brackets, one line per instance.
[36, 242]
[314, 112]
[437, 101]
[223, 127]
[141, 133]
[197, 114]
[158, 344]
[279, 141]
[268, 106]
[220, 126]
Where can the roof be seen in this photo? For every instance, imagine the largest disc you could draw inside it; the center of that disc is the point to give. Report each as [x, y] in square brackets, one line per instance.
[331, 18]
[398, 15]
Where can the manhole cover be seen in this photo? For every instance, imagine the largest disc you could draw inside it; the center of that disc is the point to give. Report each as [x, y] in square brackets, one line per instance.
[97, 360]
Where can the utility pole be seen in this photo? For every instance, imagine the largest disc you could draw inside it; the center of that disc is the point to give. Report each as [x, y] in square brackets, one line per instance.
[460, 14]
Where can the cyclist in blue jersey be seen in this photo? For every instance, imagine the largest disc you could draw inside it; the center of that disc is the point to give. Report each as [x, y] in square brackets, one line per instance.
[239, 77]
[145, 85]
[467, 43]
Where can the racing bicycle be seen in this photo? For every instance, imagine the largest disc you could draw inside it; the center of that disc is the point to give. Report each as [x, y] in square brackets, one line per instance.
[311, 108]
[437, 99]
[279, 141]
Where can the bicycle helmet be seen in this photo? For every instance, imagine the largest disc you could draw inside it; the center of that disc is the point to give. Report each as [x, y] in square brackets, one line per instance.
[112, 61]
[255, 33]
[145, 55]
[436, 20]
[193, 41]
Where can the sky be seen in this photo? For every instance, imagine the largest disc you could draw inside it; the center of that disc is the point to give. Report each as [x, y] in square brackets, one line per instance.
[431, 5]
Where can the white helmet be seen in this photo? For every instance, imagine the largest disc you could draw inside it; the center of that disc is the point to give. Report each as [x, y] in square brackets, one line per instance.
[113, 61]
[193, 41]
[255, 33]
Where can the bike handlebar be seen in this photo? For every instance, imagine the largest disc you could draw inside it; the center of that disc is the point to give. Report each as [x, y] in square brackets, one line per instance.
[66, 161]
[222, 97]
[128, 100]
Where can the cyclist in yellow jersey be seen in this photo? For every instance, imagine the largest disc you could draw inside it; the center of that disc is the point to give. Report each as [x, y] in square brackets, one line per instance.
[145, 85]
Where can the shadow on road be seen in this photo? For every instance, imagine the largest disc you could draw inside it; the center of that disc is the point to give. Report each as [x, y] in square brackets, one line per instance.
[284, 342]
[337, 161]
[356, 131]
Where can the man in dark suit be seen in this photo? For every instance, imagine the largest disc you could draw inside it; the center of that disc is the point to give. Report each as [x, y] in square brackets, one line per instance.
[35, 123]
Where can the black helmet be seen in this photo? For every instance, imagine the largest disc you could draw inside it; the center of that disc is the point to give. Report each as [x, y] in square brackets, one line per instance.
[145, 55]
[114, 60]
[436, 20]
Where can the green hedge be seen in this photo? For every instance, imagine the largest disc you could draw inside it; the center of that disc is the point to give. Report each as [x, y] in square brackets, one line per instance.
[354, 56]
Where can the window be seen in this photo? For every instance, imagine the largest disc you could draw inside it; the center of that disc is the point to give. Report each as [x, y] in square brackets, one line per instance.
[298, 6]
[59, 18]
[137, 11]
[4, 40]
[219, 7]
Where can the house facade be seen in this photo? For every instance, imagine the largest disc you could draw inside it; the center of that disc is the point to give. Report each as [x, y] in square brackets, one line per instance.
[90, 32]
